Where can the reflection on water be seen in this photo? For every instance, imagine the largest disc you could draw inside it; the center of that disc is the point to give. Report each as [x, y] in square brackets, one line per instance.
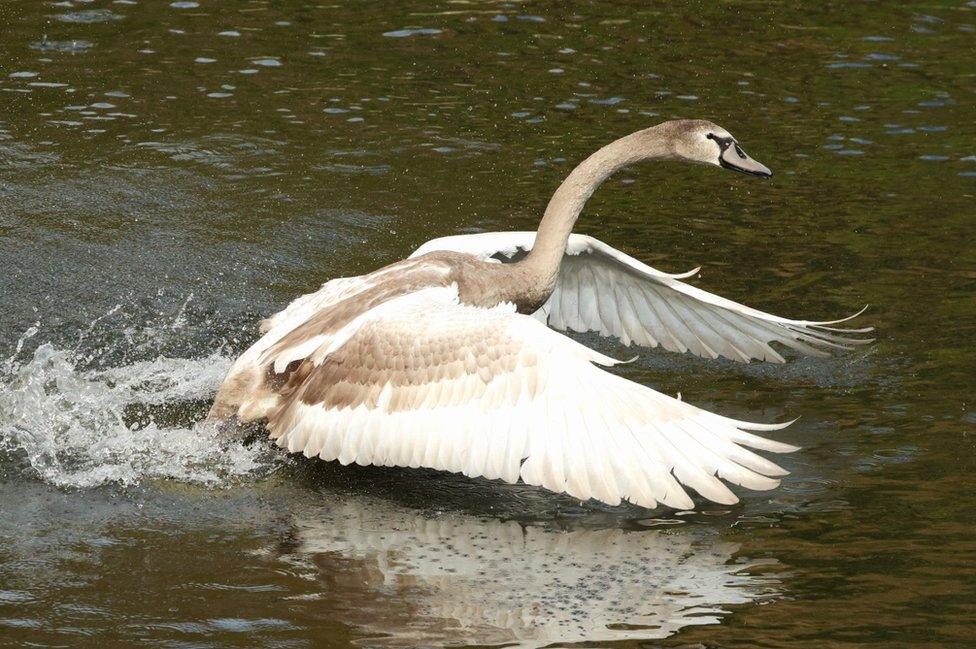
[354, 567]
[455, 579]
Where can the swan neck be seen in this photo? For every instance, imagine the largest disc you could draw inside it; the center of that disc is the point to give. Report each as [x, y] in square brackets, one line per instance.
[568, 201]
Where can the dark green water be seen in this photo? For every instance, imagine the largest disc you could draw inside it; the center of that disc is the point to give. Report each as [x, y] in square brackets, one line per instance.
[171, 172]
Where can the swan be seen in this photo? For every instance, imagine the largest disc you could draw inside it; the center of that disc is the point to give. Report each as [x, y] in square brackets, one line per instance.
[444, 360]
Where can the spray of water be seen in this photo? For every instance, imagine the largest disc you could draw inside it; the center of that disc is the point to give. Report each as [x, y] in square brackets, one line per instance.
[81, 428]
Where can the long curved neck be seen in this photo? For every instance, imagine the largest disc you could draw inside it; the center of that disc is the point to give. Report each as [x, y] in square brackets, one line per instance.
[566, 204]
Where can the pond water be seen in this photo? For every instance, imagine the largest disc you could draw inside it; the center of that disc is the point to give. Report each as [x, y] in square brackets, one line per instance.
[171, 172]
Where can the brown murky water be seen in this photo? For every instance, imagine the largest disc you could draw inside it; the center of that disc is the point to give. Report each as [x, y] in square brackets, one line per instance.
[170, 172]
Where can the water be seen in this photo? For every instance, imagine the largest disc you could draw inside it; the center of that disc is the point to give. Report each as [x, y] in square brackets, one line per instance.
[171, 172]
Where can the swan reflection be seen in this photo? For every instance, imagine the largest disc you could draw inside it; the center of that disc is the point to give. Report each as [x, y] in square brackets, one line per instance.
[451, 579]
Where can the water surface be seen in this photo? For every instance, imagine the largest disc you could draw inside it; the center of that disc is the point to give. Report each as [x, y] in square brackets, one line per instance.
[171, 172]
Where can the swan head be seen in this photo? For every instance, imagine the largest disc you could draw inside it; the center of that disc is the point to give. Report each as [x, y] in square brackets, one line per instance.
[701, 141]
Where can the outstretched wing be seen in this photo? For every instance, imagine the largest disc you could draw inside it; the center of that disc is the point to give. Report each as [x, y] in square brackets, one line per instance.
[423, 381]
[602, 289]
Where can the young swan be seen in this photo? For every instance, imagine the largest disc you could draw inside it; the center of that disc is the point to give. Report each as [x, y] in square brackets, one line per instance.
[445, 360]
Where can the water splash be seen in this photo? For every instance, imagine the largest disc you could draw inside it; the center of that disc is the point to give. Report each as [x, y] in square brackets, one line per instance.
[84, 428]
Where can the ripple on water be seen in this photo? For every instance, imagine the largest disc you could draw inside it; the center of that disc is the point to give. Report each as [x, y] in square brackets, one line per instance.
[808, 486]
[372, 170]
[939, 101]
[876, 56]
[14, 596]
[841, 65]
[609, 101]
[71, 47]
[89, 16]
[417, 31]
[898, 455]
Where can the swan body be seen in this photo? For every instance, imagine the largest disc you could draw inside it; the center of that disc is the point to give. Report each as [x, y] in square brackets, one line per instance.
[445, 360]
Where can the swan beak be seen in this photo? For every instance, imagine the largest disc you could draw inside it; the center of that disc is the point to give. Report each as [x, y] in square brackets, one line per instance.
[734, 158]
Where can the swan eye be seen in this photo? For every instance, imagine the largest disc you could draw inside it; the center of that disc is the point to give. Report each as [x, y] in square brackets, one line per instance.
[711, 136]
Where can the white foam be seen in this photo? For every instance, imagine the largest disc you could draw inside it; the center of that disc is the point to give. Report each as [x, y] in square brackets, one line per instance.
[75, 427]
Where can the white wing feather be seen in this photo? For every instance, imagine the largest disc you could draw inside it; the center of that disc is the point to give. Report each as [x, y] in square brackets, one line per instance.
[602, 289]
[425, 381]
